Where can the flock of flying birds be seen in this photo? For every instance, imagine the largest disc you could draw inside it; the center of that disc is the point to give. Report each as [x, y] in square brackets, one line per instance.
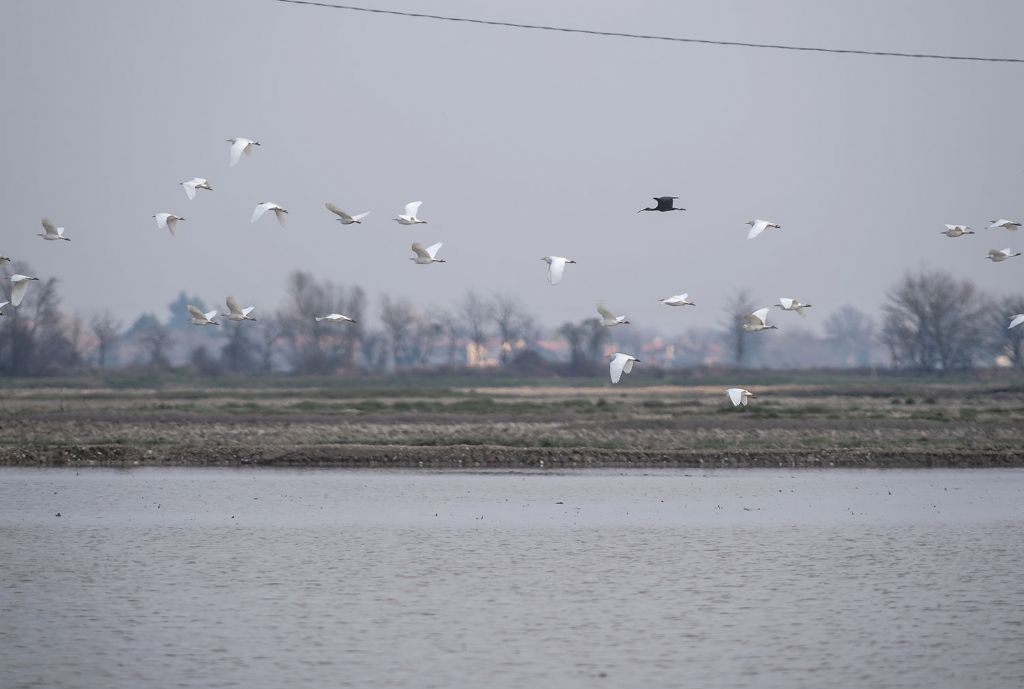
[620, 361]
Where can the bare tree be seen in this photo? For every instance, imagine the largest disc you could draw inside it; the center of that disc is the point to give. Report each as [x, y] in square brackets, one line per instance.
[935, 322]
[107, 330]
[736, 338]
[586, 341]
[513, 324]
[597, 336]
[475, 313]
[156, 338]
[37, 339]
[320, 347]
[399, 319]
[269, 333]
[1009, 341]
[575, 336]
[851, 335]
[375, 350]
[426, 334]
[451, 333]
[239, 353]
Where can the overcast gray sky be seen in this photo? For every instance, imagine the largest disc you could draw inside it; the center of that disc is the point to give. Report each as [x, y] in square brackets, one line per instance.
[519, 143]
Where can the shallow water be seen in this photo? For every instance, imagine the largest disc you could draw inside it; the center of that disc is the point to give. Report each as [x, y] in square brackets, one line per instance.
[270, 578]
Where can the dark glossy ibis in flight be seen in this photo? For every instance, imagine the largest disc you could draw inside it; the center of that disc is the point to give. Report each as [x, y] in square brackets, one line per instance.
[665, 203]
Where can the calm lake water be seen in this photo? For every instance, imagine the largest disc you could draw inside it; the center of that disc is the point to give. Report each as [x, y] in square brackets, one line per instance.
[327, 578]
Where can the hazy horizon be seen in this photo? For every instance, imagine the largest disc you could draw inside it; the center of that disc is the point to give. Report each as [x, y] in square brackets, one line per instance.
[520, 144]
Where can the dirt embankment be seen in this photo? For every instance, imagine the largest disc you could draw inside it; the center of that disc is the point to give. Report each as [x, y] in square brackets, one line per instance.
[495, 428]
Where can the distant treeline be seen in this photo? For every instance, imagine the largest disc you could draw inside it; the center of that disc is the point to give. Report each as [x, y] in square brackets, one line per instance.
[930, 322]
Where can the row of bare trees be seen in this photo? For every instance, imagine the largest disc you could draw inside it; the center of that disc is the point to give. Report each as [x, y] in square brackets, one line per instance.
[408, 337]
[931, 321]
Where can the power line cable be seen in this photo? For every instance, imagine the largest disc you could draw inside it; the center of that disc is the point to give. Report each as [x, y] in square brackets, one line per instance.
[650, 37]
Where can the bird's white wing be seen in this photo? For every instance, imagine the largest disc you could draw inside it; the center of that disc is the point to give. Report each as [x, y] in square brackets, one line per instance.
[195, 313]
[605, 313]
[785, 302]
[247, 310]
[49, 228]
[18, 292]
[161, 220]
[210, 315]
[282, 215]
[433, 249]
[628, 366]
[233, 305]
[757, 228]
[357, 218]
[236, 150]
[555, 269]
[735, 395]
[172, 224]
[338, 212]
[616, 367]
[418, 249]
[761, 315]
[683, 297]
[411, 209]
[190, 189]
[259, 210]
[1016, 320]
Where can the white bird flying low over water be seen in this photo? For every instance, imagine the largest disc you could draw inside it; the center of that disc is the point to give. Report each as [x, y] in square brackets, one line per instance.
[1015, 320]
[335, 318]
[343, 217]
[609, 319]
[757, 321]
[1011, 225]
[191, 185]
[759, 226]
[621, 363]
[240, 145]
[236, 313]
[1000, 255]
[200, 318]
[19, 284]
[428, 255]
[410, 217]
[678, 300]
[556, 266]
[957, 230]
[168, 221]
[787, 304]
[52, 233]
[265, 206]
[739, 396]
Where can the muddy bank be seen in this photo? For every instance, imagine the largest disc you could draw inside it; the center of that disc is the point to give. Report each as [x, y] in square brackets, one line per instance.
[492, 457]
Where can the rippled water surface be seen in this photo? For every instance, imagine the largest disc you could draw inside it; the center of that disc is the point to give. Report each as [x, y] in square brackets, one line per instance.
[232, 578]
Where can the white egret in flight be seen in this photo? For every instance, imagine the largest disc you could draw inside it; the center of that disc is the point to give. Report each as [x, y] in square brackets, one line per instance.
[621, 363]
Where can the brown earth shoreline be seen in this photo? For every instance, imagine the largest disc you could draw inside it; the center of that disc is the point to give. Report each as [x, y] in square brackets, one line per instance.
[881, 425]
[471, 457]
